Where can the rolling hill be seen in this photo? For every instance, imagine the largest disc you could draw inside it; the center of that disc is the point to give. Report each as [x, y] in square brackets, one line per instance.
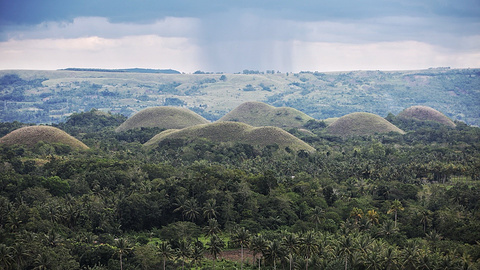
[30, 136]
[361, 123]
[259, 114]
[424, 113]
[162, 117]
[237, 133]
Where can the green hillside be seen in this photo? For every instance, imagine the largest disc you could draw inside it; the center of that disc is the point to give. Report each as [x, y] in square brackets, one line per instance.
[236, 133]
[30, 136]
[260, 114]
[424, 113]
[361, 123]
[162, 117]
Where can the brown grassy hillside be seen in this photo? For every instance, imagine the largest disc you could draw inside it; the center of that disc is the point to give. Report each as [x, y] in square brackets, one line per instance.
[163, 117]
[235, 132]
[424, 113]
[259, 114]
[31, 135]
[361, 123]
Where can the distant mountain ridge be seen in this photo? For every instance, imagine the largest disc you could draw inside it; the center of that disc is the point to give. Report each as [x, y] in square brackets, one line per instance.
[132, 70]
[40, 96]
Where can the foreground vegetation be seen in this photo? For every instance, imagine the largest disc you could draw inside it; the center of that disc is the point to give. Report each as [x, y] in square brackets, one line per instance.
[392, 201]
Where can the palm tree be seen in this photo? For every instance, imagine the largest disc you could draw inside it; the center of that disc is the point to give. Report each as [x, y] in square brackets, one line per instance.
[241, 237]
[191, 209]
[197, 252]
[346, 248]
[41, 262]
[291, 243]
[215, 246]
[372, 216]
[309, 246]
[165, 250]
[210, 209]
[317, 215]
[258, 244]
[6, 256]
[212, 228]
[357, 214]
[20, 253]
[122, 248]
[394, 208]
[273, 252]
[183, 251]
[388, 229]
[425, 219]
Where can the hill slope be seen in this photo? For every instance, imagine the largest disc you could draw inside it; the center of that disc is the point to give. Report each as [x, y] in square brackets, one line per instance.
[424, 113]
[361, 123]
[31, 135]
[235, 132]
[260, 114]
[163, 117]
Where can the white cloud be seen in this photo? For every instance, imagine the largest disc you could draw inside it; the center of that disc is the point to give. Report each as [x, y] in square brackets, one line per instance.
[378, 56]
[146, 51]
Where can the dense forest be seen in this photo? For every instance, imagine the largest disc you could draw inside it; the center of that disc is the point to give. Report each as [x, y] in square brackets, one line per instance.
[388, 201]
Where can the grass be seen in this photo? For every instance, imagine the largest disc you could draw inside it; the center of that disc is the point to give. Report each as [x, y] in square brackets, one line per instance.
[235, 132]
[32, 135]
[361, 123]
[425, 113]
[260, 114]
[163, 117]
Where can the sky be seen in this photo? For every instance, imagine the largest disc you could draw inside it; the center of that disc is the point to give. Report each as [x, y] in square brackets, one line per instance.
[231, 35]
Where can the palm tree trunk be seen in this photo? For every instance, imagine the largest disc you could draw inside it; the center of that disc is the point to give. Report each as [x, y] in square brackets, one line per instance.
[395, 219]
[121, 264]
[241, 266]
[291, 261]
[346, 261]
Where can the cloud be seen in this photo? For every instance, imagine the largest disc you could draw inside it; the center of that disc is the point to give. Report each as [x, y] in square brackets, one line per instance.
[230, 36]
[98, 26]
[96, 52]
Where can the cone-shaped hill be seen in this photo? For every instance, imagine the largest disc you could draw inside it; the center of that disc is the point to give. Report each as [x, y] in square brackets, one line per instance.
[32, 135]
[162, 117]
[259, 114]
[237, 133]
[424, 113]
[361, 123]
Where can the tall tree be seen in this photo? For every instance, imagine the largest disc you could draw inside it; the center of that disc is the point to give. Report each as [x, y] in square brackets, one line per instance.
[184, 251]
[258, 244]
[394, 208]
[165, 251]
[215, 246]
[292, 244]
[242, 237]
[309, 246]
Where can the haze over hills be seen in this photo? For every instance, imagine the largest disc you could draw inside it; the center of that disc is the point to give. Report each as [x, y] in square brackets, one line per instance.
[234, 132]
[162, 117]
[260, 114]
[50, 96]
[361, 123]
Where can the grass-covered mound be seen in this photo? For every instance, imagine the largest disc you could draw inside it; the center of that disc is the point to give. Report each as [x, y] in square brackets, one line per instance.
[361, 123]
[162, 117]
[30, 136]
[236, 133]
[424, 113]
[259, 114]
